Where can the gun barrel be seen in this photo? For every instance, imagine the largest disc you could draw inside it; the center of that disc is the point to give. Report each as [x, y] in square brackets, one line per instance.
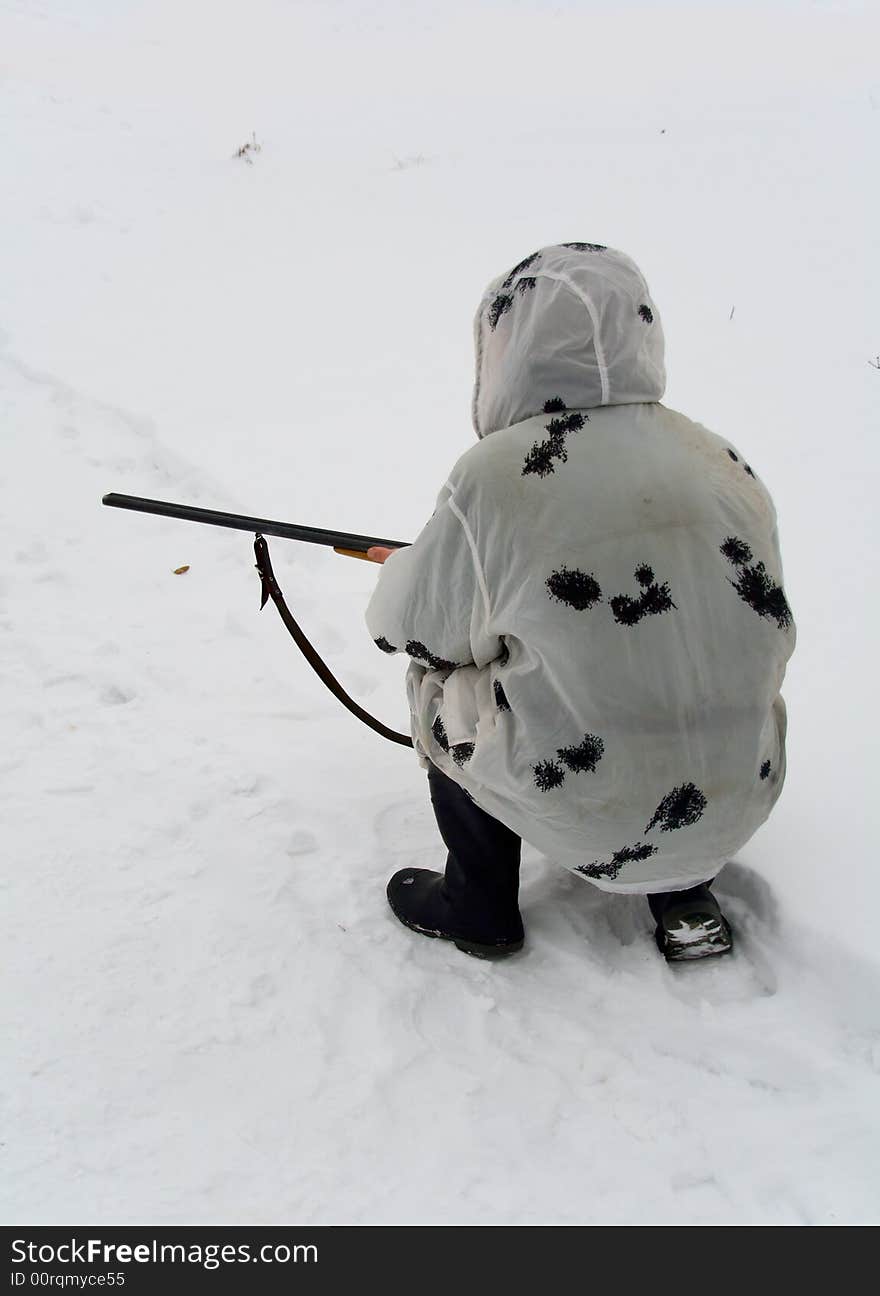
[239, 522]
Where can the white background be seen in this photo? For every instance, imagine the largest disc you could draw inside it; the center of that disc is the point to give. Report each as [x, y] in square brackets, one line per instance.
[215, 1019]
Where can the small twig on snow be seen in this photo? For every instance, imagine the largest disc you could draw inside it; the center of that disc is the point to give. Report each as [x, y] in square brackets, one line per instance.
[248, 149]
[404, 163]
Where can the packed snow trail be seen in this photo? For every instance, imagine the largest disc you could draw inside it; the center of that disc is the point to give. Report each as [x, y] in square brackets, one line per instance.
[216, 1017]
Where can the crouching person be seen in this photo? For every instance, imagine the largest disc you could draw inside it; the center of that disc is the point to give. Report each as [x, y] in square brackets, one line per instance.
[595, 621]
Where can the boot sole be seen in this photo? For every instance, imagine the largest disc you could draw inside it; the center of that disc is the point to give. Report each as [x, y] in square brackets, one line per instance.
[698, 937]
[474, 948]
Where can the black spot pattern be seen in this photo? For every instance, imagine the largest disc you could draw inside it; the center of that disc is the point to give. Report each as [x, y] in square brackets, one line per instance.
[419, 651]
[586, 247]
[765, 769]
[540, 458]
[580, 759]
[519, 267]
[735, 458]
[754, 586]
[654, 599]
[504, 655]
[438, 729]
[575, 588]
[584, 757]
[680, 808]
[383, 643]
[461, 752]
[641, 851]
[555, 405]
[500, 696]
[646, 314]
[501, 304]
[503, 300]
[736, 550]
[548, 774]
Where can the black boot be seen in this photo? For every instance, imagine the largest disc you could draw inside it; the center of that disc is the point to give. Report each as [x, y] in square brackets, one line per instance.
[690, 924]
[474, 904]
[419, 900]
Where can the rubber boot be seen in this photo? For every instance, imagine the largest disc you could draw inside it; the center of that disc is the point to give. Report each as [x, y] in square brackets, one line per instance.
[690, 924]
[475, 902]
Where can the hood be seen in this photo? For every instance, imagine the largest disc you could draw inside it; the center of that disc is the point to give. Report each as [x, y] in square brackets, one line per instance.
[572, 326]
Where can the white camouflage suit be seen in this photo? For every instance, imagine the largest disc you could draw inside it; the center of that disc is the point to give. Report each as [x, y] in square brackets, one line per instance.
[594, 612]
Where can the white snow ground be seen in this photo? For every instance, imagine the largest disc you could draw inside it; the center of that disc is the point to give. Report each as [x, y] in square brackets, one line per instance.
[211, 1015]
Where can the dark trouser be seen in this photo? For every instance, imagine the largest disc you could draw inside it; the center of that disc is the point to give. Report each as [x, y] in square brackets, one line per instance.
[482, 867]
[660, 901]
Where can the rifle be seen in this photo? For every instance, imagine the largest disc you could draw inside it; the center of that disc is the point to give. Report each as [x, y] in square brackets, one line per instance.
[343, 542]
[347, 543]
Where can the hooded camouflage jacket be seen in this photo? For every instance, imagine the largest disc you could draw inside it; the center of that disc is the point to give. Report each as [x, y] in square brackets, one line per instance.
[594, 613]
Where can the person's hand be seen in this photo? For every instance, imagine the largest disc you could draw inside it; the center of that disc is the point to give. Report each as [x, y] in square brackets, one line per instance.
[378, 553]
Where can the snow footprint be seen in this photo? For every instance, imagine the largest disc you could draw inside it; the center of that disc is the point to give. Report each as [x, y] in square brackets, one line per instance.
[301, 842]
[406, 831]
[114, 695]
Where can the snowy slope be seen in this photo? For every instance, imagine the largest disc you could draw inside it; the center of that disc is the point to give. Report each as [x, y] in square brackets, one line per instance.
[214, 1017]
